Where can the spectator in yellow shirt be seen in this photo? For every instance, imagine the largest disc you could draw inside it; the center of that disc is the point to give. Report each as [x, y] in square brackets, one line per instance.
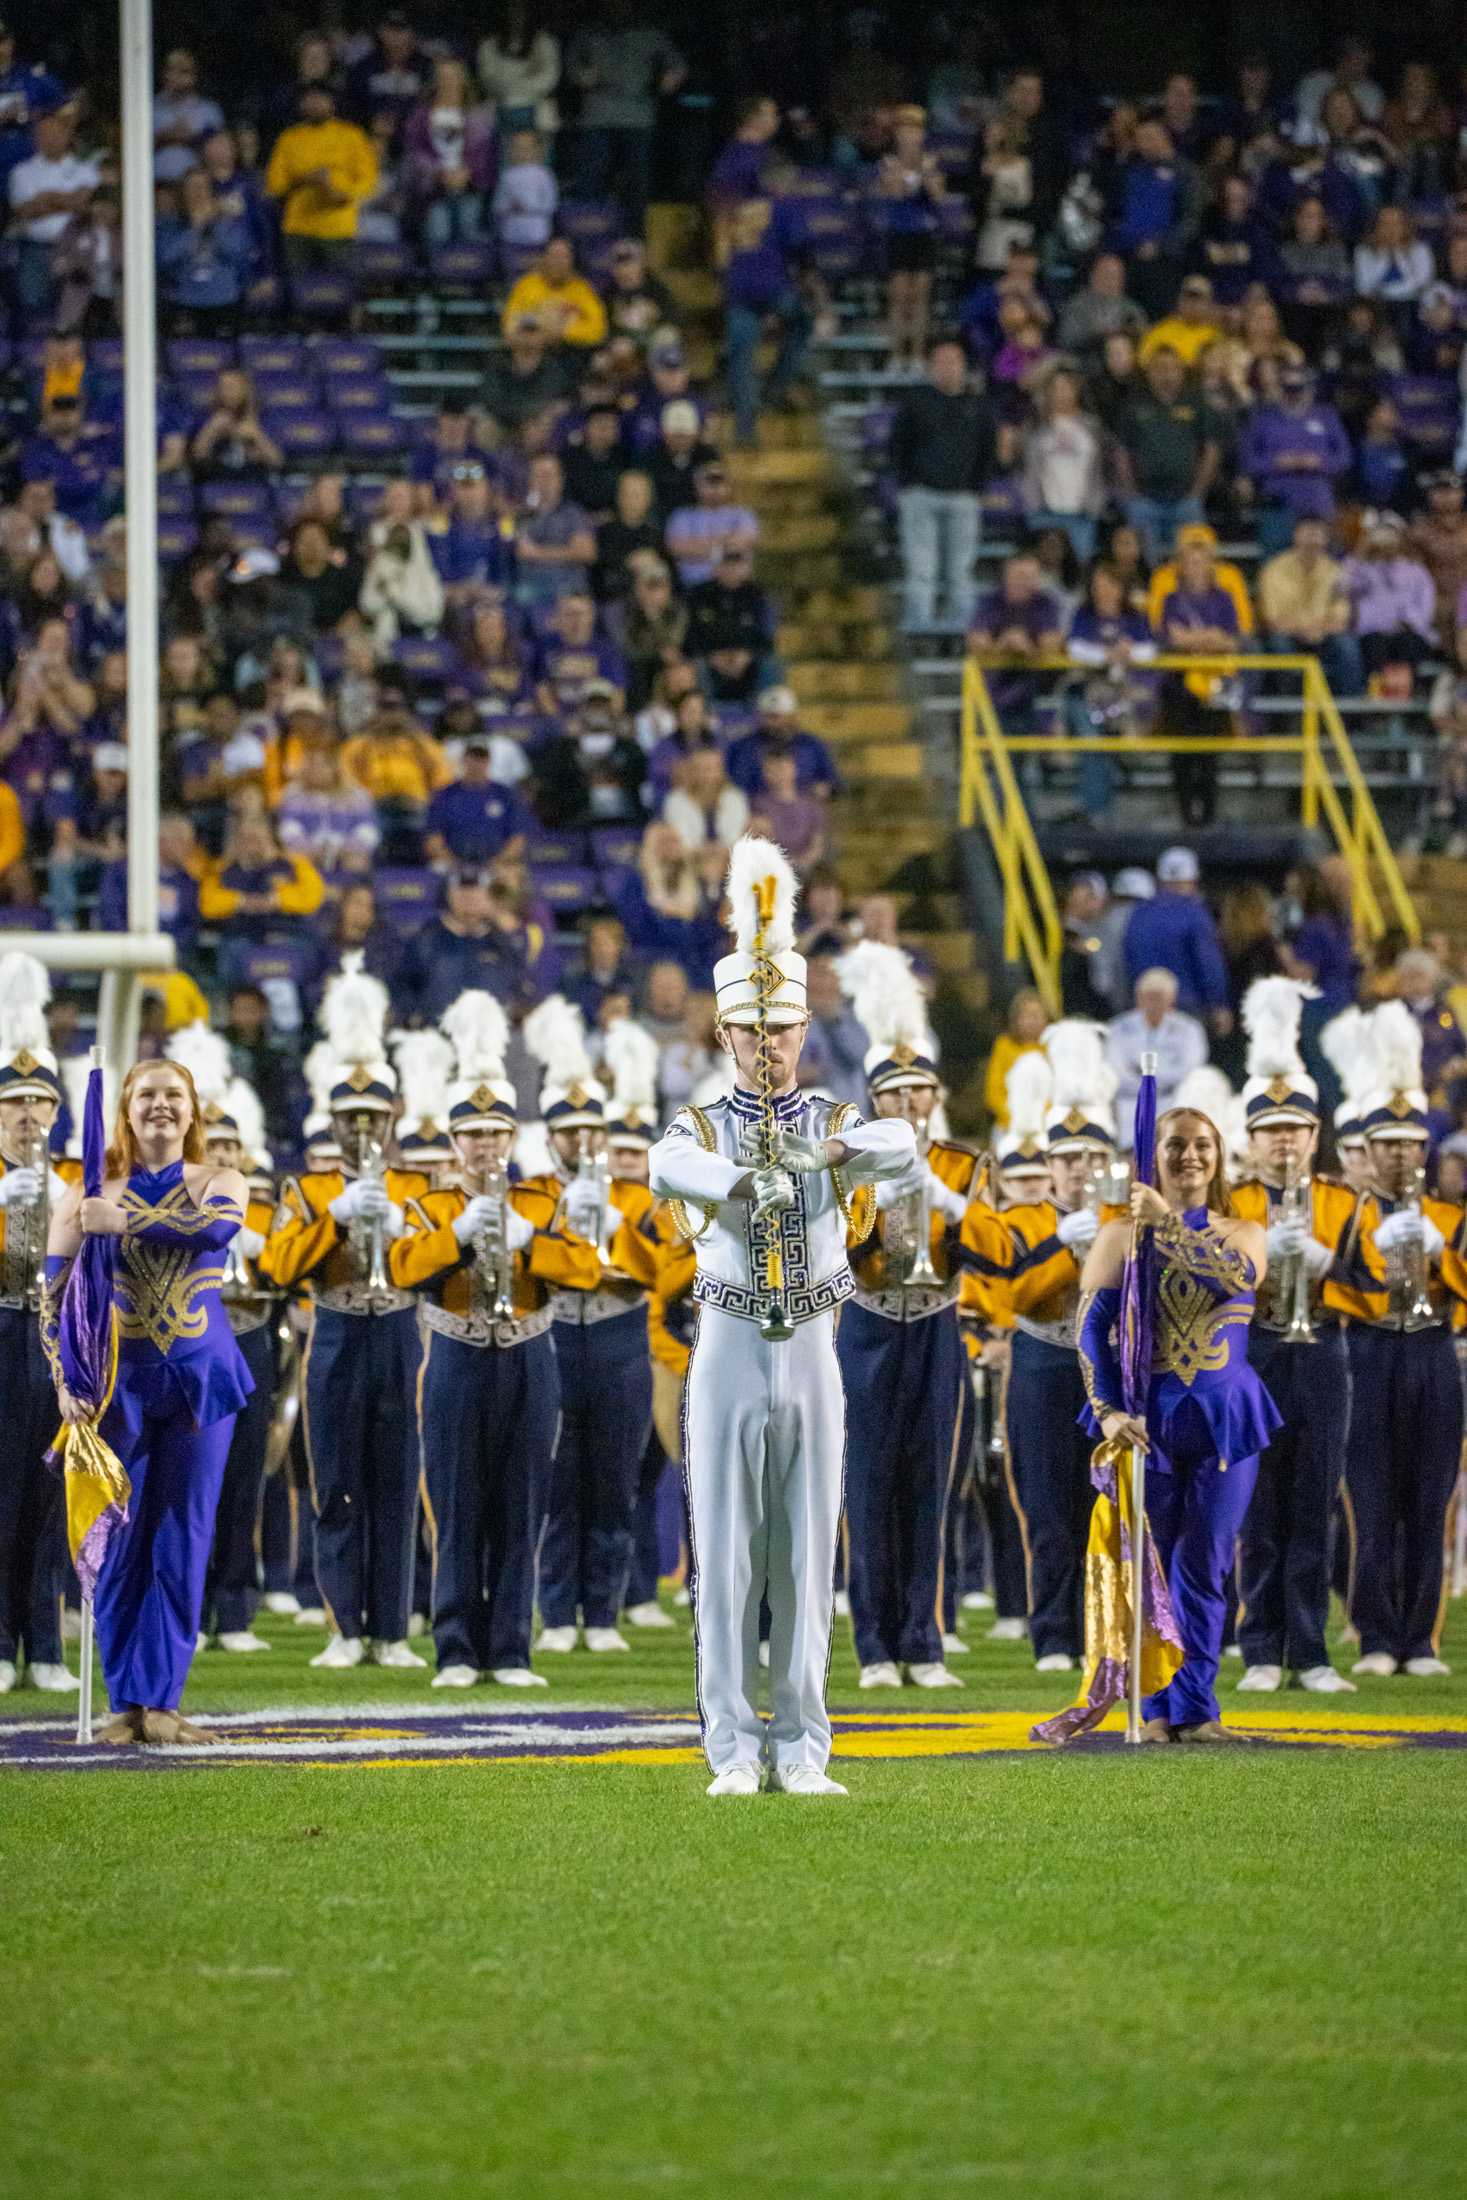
[400, 765]
[1220, 573]
[1027, 1019]
[1189, 328]
[563, 302]
[321, 169]
[15, 876]
[255, 884]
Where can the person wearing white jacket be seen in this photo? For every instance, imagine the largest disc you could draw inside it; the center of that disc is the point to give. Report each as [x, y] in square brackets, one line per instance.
[765, 1417]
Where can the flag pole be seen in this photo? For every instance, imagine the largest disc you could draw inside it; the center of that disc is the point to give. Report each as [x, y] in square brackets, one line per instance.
[1138, 1548]
[88, 1627]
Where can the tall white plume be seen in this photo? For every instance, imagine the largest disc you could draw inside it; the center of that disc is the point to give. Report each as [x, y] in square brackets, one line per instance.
[631, 1057]
[1029, 1084]
[320, 1073]
[555, 1035]
[1352, 1049]
[424, 1062]
[477, 1029]
[354, 1015]
[25, 989]
[206, 1058]
[884, 994]
[243, 1102]
[1397, 1038]
[1272, 1008]
[1079, 1064]
[751, 861]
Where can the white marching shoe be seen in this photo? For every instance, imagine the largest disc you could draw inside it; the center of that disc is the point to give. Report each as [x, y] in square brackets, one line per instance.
[842, 1604]
[1261, 1680]
[518, 1676]
[454, 1676]
[242, 1638]
[606, 1638]
[1323, 1680]
[417, 1625]
[396, 1654]
[1379, 1664]
[735, 1780]
[881, 1675]
[1054, 1661]
[7, 1676]
[648, 1615]
[560, 1640]
[1008, 1630]
[977, 1600]
[953, 1646]
[283, 1602]
[340, 1652]
[682, 1598]
[932, 1676]
[311, 1615]
[764, 1656]
[1426, 1669]
[55, 1680]
[803, 1780]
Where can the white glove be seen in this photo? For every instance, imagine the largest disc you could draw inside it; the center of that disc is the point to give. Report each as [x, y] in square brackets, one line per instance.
[518, 1230]
[1078, 1230]
[1401, 1228]
[56, 1184]
[892, 1190]
[1285, 1239]
[1432, 1237]
[20, 1187]
[943, 1199]
[475, 1217]
[250, 1242]
[394, 1221]
[802, 1156]
[582, 1207]
[773, 1190]
[1317, 1257]
[344, 1207]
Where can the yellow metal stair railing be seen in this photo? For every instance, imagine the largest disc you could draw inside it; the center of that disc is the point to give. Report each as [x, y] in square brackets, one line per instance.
[1332, 791]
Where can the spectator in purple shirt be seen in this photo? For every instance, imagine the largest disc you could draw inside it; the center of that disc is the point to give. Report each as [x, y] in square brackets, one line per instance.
[572, 656]
[759, 286]
[738, 172]
[778, 733]
[1393, 596]
[698, 534]
[1293, 451]
[555, 542]
[473, 552]
[474, 818]
[77, 457]
[1019, 618]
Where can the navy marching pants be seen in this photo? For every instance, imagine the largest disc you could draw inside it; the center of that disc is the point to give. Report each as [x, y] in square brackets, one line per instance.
[32, 1511]
[1401, 1464]
[903, 1384]
[232, 1592]
[1050, 1456]
[1195, 1509]
[605, 1416]
[486, 1418]
[1283, 1556]
[362, 1448]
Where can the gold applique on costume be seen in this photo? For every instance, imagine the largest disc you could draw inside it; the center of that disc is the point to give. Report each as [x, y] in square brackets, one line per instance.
[1191, 1327]
[176, 1208]
[858, 1207]
[51, 1296]
[158, 1290]
[1202, 1253]
[1098, 1405]
[707, 1138]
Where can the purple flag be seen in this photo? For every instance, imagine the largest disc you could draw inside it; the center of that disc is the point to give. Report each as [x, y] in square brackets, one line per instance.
[97, 1486]
[1138, 1285]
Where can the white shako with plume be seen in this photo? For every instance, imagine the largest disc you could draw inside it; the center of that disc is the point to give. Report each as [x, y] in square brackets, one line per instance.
[735, 993]
[1021, 1149]
[480, 1097]
[631, 1057]
[318, 1134]
[1397, 1106]
[571, 1099]
[28, 1068]
[887, 1002]
[1080, 1117]
[1208, 1092]
[354, 1022]
[229, 1105]
[424, 1065]
[1278, 1090]
[1349, 1045]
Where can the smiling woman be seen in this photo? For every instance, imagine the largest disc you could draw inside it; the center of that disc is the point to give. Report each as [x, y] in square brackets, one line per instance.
[180, 1381]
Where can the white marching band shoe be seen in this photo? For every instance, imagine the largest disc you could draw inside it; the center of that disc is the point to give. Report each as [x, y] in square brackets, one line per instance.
[1426, 1669]
[1323, 1680]
[1261, 1680]
[1054, 1661]
[1379, 1664]
[602, 1639]
[340, 1652]
[240, 1639]
[454, 1676]
[54, 1680]
[560, 1641]
[735, 1780]
[648, 1615]
[7, 1676]
[396, 1654]
[282, 1602]
[803, 1780]
[977, 1600]
[518, 1676]
[881, 1675]
[311, 1615]
[932, 1676]
[842, 1604]
[953, 1646]
[764, 1656]
[1008, 1630]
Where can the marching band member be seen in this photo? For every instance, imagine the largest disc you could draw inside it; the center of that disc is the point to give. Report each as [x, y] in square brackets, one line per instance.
[901, 1356]
[32, 1537]
[1208, 1415]
[1298, 1351]
[766, 1181]
[486, 1256]
[331, 1232]
[424, 1063]
[234, 1126]
[601, 1346]
[180, 1381]
[1034, 1255]
[1405, 1438]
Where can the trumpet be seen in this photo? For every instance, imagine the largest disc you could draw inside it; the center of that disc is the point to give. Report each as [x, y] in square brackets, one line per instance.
[595, 1169]
[493, 1260]
[918, 1273]
[38, 1216]
[1292, 1298]
[369, 1240]
[1407, 1278]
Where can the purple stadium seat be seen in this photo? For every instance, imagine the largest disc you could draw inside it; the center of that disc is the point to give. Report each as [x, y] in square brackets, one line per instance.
[362, 499]
[955, 222]
[26, 920]
[587, 220]
[285, 391]
[343, 355]
[238, 499]
[369, 435]
[303, 434]
[321, 297]
[464, 266]
[1428, 407]
[553, 848]
[176, 538]
[175, 499]
[197, 355]
[105, 354]
[517, 260]
[195, 392]
[383, 266]
[274, 355]
[566, 886]
[428, 658]
[815, 183]
[357, 392]
[615, 847]
[406, 898]
[265, 296]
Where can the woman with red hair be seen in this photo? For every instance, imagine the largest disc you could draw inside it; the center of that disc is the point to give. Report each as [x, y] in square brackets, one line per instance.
[181, 1379]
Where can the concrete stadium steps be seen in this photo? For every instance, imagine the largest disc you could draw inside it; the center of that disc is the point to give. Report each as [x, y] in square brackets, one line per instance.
[1438, 886]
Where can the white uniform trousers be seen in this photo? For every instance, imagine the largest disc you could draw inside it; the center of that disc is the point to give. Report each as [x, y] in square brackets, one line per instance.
[764, 1455]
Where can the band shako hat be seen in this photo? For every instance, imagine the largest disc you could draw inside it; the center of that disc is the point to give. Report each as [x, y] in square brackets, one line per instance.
[888, 1003]
[1349, 1045]
[1022, 1151]
[27, 1065]
[1397, 1106]
[1278, 1088]
[753, 865]
[229, 1106]
[424, 1061]
[630, 1058]
[481, 1097]
[1079, 1118]
[570, 1098]
[354, 1021]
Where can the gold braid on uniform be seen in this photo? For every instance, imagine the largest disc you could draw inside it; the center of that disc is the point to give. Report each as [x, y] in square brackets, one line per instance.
[52, 1293]
[682, 1221]
[1098, 1405]
[1204, 1254]
[858, 1207]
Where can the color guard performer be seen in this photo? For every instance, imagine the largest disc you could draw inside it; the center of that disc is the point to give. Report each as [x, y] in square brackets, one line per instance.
[900, 1352]
[1031, 1256]
[767, 1180]
[1297, 1345]
[32, 1532]
[332, 1232]
[1405, 1437]
[601, 1346]
[487, 1257]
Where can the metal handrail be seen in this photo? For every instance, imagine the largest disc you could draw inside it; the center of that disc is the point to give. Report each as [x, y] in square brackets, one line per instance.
[1329, 773]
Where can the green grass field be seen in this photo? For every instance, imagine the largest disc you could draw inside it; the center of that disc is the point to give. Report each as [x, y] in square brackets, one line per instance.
[1182, 1974]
